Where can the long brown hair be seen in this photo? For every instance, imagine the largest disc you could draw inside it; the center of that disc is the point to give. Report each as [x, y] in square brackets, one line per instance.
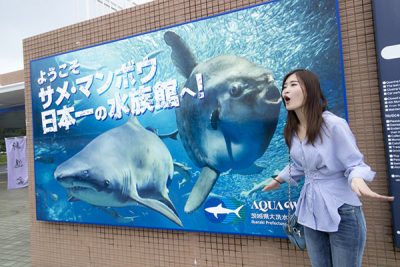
[315, 104]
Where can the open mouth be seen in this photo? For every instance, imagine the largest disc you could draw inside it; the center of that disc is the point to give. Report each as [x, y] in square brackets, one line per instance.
[76, 186]
[274, 102]
[287, 99]
[80, 188]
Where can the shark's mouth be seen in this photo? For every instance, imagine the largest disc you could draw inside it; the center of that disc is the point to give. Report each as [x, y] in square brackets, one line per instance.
[80, 188]
[77, 186]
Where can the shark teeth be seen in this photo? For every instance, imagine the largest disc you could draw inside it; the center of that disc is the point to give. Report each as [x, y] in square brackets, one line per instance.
[80, 188]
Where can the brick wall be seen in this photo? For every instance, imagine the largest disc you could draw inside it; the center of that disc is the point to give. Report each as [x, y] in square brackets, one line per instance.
[58, 244]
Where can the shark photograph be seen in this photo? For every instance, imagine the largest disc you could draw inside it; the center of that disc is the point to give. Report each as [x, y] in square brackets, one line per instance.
[115, 170]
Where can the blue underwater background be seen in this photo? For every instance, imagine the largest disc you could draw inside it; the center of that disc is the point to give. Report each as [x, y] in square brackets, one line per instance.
[280, 36]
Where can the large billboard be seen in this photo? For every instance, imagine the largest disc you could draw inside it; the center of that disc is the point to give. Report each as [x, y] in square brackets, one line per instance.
[180, 128]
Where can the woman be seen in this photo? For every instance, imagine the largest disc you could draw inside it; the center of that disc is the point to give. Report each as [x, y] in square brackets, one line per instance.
[324, 151]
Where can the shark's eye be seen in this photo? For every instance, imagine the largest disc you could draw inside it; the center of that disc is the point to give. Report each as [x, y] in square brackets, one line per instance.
[85, 173]
[236, 91]
[106, 183]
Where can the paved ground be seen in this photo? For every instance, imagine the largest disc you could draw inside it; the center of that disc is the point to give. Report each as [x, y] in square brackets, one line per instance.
[3, 170]
[14, 225]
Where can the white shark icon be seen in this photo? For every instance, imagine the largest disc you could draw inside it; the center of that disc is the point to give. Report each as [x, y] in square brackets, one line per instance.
[221, 210]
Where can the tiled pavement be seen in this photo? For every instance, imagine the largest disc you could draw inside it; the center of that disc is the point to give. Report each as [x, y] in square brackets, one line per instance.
[14, 225]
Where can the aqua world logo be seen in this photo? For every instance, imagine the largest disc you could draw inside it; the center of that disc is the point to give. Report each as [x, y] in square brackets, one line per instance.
[224, 211]
[265, 206]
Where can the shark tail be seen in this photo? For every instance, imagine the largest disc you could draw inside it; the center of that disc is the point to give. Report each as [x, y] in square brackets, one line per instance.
[236, 211]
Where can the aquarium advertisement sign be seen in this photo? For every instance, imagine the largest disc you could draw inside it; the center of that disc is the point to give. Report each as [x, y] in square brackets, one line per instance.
[180, 128]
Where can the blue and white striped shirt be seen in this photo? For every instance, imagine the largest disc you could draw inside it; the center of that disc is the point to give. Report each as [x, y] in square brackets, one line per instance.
[328, 167]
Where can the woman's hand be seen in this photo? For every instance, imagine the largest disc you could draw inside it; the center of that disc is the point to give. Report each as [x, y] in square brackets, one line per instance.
[274, 184]
[360, 187]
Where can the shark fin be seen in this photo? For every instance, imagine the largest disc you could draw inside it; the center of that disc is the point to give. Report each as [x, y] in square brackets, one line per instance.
[167, 201]
[158, 206]
[201, 189]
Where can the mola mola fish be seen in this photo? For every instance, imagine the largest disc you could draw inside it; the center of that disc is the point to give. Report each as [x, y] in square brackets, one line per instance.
[233, 124]
[121, 167]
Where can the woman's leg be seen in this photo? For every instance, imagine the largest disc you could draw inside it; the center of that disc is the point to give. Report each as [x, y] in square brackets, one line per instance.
[318, 247]
[348, 242]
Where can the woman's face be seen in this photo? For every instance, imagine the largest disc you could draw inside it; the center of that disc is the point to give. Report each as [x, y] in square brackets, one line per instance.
[293, 94]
